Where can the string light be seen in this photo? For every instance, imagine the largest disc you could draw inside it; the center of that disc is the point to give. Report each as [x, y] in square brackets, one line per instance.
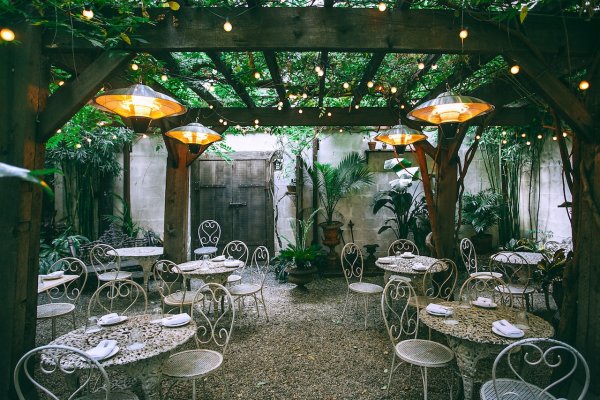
[394, 89]
[227, 26]
[78, 146]
[356, 107]
[421, 65]
[477, 137]
[7, 35]
[220, 120]
[238, 127]
[89, 140]
[504, 141]
[292, 96]
[463, 34]
[144, 136]
[370, 84]
[515, 69]
[210, 106]
[60, 83]
[321, 73]
[565, 134]
[402, 106]
[300, 111]
[256, 75]
[317, 69]
[135, 67]
[329, 114]
[346, 85]
[255, 126]
[528, 143]
[434, 66]
[341, 130]
[256, 122]
[114, 137]
[523, 135]
[503, 133]
[554, 137]
[225, 123]
[164, 77]
[279, 108]
[382, 6]
[584, 85]
[58, 130]
[87, 12]
[304, 95]
[539, 136]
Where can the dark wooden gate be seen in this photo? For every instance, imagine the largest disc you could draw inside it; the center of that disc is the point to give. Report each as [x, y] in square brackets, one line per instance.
[237, 195]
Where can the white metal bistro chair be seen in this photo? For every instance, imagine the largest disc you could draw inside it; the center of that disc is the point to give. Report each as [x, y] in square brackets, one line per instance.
[254, 280]
[485, 286]
[352, 267]
[209, 233]
[517, 275]
[57, 363]
[64, 298]
[214, 329]
[172, 286]
[546, 356]
[402, 324]
[401, 246]
[118, 297]
[469, 257]
[239, 251]
[439, 282]
[107, 264]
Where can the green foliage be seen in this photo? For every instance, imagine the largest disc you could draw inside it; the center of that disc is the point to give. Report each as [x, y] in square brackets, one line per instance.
[409, 213]
[10, 171]
[298, 251]
[481, 210]
[335, 183]
[123, 219]
[58, 248]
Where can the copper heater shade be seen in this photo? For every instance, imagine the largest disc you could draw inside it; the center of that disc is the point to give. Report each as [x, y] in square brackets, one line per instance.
[450, 107]
[400, 135]
[139, 101]
[194, 133]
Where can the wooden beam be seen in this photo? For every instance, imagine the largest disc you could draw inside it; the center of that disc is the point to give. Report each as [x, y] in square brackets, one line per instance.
[271, 60]
[311, 116]
[324, 64]
[368, 75]
[69, 98]
[345, 29]
[230, 77]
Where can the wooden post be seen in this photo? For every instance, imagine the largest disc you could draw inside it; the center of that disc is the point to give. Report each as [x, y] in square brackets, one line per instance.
[23, 94]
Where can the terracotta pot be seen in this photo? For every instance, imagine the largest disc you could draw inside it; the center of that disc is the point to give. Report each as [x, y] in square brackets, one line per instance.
[331, 233]
[301, 276]
[372, 145]
[482, 243]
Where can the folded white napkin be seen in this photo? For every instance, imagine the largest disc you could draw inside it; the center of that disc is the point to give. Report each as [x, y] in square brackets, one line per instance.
[407, 254]
[439, 309]
[484, 301]
[219, 258]
[419, 267]
[53, 275]
[231, 263]
[104, 348]
[177, 319]
[506, 328]
[109, 318]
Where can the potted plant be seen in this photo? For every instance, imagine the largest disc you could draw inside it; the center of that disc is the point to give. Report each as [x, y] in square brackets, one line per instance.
[372, 144]
[298, 255]
[335, 183]
[549, 273]
[481, 211]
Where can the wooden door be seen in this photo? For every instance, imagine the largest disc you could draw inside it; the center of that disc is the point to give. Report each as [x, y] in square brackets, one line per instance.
[237, 195]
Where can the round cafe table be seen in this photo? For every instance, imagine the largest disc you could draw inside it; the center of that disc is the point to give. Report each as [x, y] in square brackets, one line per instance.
[404, 267]
[472, 338]
[216, 272]
[143, 364]
[146, 256]
[531, 258]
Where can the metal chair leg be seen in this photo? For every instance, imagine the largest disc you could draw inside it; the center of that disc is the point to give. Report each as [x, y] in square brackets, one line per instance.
[424, 375]
[391, 371]
[264, 305]
[366, 309]
[345, 304]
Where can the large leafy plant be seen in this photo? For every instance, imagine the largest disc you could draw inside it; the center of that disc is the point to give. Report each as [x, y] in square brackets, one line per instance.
[298, 250]
[58, 248]
[408, 212]
[481, 210]
[337, 182]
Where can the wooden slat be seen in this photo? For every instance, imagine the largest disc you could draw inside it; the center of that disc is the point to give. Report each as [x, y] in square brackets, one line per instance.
[368, 75]
[227, 72]
[69, 98]
[271, 60]
[345, 29]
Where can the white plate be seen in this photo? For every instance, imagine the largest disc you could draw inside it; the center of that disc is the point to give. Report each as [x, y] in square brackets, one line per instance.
[497, 332]
[385, 260]
[231, 264]
[188, 268]
[483, 305]
[53, 276]
[176, 326]
[117, 321]
[219, 258]
[420, 269]
[407, 256]
[438, 314]
[109, 355]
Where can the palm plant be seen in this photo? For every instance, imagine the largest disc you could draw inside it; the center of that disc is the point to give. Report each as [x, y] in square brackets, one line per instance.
[298, 251]
[336, 182]
[481, 210]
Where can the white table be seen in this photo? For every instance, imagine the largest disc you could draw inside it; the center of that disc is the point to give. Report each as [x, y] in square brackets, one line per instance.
[404, 267]
[531, 258]
[145, 256]
[46, 284]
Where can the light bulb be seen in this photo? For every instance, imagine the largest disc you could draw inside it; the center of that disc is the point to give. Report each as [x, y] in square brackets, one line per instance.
[515, 69]
[321, 73]
[256, 122]
[463, 33]
[584, 85]
[225, 123]
[421, 65]
[434, 66]
[382, 6]
[528, 143]
[356, 106]
[565, 134]
[539, 136]
[504, 141]
[341, 130]
[554, 138]
[256, 126]
[78, 146]
[280, 104]
[144, 136]
[523, 135]
[210, 106]
[477, 137]
[503, 133]
[346, 85]
[257, 75]
[238, 127]
[60, 83]
[227, 26]
[220, 120]
[89, 140]
[114, 137]
[394, 89]
[135, 67]
[279, 108]
[402, 106]
[304, 95]
[370, 84]
[7, 35]
[300, 111]
[317, 69]
[87, 12]
[164, 77]
[329, 114]
[58, 130]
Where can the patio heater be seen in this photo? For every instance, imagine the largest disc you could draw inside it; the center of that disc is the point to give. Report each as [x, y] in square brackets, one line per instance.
[400, 136]
[139, 104]
[194, 135]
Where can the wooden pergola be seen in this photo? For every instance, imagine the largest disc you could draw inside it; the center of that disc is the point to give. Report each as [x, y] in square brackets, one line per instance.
[541, 47]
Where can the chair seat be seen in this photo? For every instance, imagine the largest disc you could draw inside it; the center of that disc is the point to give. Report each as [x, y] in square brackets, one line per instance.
[52, 310]
[114, 276]
[178, 298]
[201, 251]
[486, 274]
[234, 278]
[513, 389]
[423, 301]
[515, 289]
[364, 287]
[118, 395]
[424, 353]
[400, 278]
[192, 363]
[244, 289]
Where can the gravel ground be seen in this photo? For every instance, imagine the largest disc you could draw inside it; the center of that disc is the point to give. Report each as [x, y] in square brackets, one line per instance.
[305, 351]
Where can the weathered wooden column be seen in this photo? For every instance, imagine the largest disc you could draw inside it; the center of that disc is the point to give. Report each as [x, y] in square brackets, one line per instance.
[23, 93]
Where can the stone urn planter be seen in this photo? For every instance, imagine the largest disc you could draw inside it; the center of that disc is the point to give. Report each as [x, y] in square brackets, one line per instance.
[372, 145]
[301, 275]
[331, 238]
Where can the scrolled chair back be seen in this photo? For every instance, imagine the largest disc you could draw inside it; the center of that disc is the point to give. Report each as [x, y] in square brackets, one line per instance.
[440, 279]
[213, 328]
[488, 286]
[468, 255]
[168, 277]
[236, 249]
[549, 357]
[118, 297]
[402, 246]
[56, 363]
[401, 320]
[70, 291]
[209, 233]
[512, 266]
[259, 266]
[352, 263]
[104, 258]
